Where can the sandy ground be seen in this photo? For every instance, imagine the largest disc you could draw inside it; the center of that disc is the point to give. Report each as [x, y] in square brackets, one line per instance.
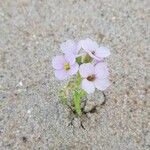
[30, 33]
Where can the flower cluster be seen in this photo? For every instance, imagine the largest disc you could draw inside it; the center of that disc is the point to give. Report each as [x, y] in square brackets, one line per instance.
[85, 58]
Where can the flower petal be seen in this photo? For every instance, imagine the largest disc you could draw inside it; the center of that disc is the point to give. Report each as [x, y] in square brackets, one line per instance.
[79, 45]
[93, 56]
[101, 70]
[69, 47]
[88, 86]
[95, 61]
[58, 62]
[70, 58]
[61, 74]
[102, 52]
[86, 70]
[74, 69]
[102, 84]
[88, 44]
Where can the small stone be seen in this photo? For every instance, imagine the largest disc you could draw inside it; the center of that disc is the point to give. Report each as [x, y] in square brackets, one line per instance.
[24, 139]
[19, 84]
[29, 111]
[113, 18]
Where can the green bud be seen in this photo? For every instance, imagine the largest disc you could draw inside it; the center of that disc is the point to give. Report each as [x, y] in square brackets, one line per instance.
[86, 58]
[78, 60]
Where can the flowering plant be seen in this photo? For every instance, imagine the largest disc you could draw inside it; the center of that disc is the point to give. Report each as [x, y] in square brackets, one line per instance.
[86, 60]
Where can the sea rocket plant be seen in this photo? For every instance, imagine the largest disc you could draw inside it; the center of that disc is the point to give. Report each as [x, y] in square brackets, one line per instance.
[86, 60]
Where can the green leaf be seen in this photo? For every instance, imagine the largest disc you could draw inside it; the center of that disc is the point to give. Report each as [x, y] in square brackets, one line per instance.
[63, 97]
[82, 93]
[77, 102]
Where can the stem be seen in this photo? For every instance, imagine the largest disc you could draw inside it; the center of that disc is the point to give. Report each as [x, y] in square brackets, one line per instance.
[77, 102]
[78, 80]
[77, 95]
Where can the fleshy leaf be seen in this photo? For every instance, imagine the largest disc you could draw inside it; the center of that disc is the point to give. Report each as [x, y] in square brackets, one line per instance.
[77, 102]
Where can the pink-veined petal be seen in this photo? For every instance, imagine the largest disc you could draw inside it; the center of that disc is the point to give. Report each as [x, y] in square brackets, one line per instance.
[86, 70]
[74, 69]
[58, 62]
[70, 58]
[102, 84]
[95, 62]
[79, 45]
[101, 70]
[61, 74]
[88, 86]
[102, 52]
[69, 47]
[88, 44]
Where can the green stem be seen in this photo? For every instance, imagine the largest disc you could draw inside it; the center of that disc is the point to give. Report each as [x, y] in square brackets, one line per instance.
[77, 102]
[77, 95]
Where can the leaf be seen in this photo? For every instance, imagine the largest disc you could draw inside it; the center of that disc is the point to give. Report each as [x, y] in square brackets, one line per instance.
[77, 102]
[63, 97]
[82, 93]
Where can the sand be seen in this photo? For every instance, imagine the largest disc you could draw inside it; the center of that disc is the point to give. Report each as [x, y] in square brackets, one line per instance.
[31, 116]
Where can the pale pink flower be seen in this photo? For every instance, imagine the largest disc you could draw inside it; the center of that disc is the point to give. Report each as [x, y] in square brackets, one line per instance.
[93, 49]
[94, 77]
[65, 66]
[69, 47]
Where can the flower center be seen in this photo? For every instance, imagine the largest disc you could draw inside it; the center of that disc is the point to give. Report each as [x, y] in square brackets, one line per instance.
[91, 78]
[66, 66]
